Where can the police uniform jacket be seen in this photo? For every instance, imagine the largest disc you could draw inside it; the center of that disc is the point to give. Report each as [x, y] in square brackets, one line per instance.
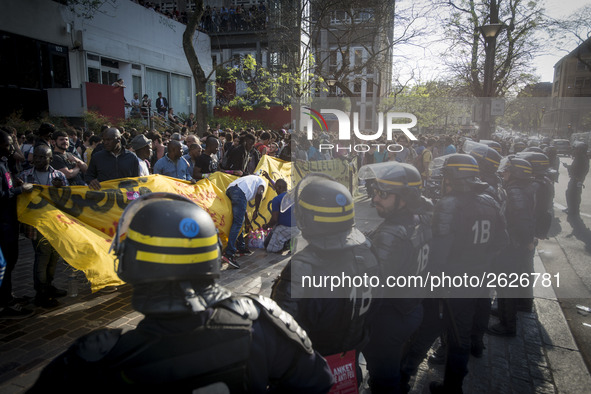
[246, 344]
[401, 244]
[521, 200]
[334, 320]
[468, 232]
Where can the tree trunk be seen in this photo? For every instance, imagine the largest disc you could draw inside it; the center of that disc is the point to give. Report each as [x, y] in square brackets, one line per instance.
[198, 74]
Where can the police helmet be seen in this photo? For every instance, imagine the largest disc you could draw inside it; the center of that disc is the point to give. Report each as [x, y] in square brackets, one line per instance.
[460, 166]
[539, 162]
[518, 146]
[550, 151]
[165, 237]
[491, 144]
[392, 177]
[580, 147]
[322, 206]
[518, 168]
[487, 157]
[533, 149]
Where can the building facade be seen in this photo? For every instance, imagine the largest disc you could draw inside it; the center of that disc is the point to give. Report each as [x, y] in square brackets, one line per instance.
[47, 48]
[571, 94]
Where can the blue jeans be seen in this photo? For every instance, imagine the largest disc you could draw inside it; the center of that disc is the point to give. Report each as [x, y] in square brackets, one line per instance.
[236, 238]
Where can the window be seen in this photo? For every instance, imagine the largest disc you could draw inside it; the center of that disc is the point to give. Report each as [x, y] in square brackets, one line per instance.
[370, 86]
[333, 62]
[339, 18]
[105, 62]
[358, 60]
[356, 88]
[109, 77]
[137, 84]
[60, 71]
[274, 59]
[94, 75]
[180, 94]
[33, 64]
[156, 81]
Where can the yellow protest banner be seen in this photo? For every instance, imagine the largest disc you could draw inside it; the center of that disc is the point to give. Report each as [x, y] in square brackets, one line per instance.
[345, 172]
[80, 223]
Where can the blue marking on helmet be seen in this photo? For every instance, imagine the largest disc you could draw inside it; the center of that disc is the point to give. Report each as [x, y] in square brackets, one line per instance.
[189, 227]
[341, 200]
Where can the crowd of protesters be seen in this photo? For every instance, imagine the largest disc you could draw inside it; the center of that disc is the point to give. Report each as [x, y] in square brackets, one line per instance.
[512, 194]
[68, 156]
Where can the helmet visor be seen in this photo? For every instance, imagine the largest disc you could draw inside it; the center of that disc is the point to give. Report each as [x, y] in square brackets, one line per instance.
[475, 148]
[437, 165]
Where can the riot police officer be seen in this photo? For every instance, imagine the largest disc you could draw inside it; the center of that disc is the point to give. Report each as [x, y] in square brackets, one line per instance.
[517, 176]
[488, 160]
[468, 231]
[544, 190]
[195, 334]
[577, 171]
[552, 154]
[333, 314]
[401, 244]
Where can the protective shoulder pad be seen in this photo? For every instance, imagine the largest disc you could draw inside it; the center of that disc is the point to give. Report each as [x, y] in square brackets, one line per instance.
[96, 345]
[444, 216]
[283, 321]
[386, 238]
[242, 306]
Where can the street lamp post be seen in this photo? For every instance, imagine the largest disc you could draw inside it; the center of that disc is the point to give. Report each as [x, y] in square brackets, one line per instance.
[490, 33]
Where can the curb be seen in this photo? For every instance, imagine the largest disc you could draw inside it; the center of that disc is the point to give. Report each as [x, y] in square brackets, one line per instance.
[564, 358]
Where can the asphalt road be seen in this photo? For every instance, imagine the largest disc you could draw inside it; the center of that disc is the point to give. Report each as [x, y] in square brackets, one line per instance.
[568, 252]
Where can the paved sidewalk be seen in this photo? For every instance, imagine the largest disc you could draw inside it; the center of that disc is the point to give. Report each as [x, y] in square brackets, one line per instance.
[543, 358]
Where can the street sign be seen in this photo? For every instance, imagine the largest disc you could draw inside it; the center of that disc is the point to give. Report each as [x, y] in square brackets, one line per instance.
[497, 107]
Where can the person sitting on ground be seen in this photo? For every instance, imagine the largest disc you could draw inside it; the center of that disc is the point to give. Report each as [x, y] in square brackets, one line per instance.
[280, 223]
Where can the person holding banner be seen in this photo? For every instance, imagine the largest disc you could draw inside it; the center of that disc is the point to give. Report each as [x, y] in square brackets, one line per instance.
[10, 308]
[196, 335]
[46, 257]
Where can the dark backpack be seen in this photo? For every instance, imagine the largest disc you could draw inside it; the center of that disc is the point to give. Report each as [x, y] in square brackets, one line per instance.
[224, 163]
[418, 162]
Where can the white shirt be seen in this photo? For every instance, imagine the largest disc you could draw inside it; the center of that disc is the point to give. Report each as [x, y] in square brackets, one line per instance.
[249, 185]
[143, 167]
